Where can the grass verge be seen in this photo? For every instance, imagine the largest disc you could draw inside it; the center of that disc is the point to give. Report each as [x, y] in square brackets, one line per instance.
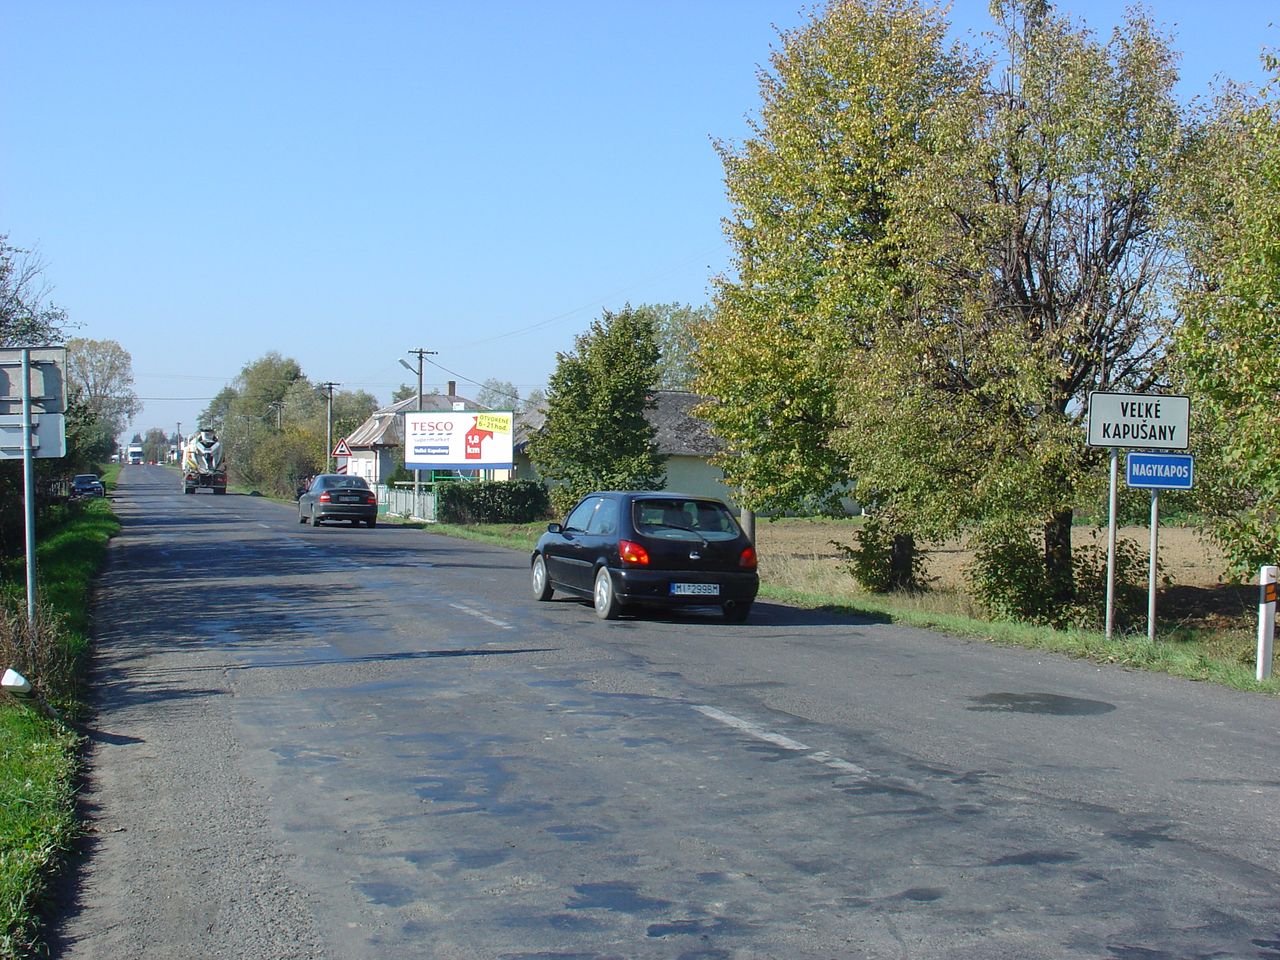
[38, 755]
[1224, 658]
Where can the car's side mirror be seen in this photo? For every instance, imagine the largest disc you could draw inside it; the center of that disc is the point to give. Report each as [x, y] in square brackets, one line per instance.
[554, 528]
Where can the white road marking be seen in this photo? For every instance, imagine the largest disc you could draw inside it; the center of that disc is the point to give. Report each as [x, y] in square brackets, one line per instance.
[501, 624]
[786, 743]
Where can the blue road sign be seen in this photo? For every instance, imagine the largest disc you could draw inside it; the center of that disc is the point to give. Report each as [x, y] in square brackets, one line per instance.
[1160, 471]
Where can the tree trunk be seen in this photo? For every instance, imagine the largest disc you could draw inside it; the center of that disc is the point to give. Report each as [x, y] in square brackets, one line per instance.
[902, 561]
[1057, 558]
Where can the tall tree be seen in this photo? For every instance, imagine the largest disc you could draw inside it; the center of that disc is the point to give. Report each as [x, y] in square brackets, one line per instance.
[676, 327]
[1040, 257]
[1226, 346]
[596, 435]
[27, 318]
[100, 374]
[939, 252]
[815, 265]
[498, 395]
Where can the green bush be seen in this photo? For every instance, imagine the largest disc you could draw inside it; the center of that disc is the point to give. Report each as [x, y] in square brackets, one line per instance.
[875, 564]
[1008, 577]
[500, 501]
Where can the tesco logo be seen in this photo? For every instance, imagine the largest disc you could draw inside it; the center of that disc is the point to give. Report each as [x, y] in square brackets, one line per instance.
[446, 425]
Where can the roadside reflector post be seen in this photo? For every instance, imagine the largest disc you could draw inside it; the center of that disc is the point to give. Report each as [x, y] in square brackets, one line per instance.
[1266, 619]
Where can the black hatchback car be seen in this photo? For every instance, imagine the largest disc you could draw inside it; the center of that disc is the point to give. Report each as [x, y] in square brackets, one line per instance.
[648, 548]
[336, 496]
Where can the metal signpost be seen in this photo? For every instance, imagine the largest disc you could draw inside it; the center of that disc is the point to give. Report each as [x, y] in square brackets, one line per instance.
[32, 424]
[1133, 420]
[1156, 472]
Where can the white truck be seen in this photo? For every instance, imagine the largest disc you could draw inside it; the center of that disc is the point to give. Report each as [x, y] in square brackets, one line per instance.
[134, 453]
[202, 463]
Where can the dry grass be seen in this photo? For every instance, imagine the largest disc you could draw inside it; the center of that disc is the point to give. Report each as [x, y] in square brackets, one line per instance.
[798, 554]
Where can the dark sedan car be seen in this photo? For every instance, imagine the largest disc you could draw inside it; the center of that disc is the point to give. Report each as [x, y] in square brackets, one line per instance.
[618, 549]
[336, 496]
[87, 485]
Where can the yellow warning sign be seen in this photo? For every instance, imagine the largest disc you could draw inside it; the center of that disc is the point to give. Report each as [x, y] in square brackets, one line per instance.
[497, 422]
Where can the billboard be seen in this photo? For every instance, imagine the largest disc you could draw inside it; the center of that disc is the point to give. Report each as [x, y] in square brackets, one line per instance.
[459, 439]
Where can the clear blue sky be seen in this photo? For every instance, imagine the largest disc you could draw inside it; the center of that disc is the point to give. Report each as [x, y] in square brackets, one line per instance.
[341, 182]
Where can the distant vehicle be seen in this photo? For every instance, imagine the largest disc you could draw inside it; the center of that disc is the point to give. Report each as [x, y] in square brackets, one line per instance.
[87, 485]
[203, 464]
[337, 496]
[619, 549]
[134, 453]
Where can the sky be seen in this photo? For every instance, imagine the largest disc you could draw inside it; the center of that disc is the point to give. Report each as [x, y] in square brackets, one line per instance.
[207, 182]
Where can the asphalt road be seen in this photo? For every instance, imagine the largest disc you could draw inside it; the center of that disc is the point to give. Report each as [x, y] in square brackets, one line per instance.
[353, 743]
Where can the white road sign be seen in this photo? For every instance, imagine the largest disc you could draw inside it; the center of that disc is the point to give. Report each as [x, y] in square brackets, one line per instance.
[1135, 420]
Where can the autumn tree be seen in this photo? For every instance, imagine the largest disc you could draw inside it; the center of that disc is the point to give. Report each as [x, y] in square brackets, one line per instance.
[846, 118]
[1226, 345]
[940, 252]
[596, 435]
[100, 376]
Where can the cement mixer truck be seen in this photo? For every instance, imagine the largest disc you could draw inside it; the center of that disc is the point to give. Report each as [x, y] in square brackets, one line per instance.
[202, 463]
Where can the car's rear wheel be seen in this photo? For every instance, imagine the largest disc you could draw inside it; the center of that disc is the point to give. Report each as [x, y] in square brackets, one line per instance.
[302, 517]
[315, 519]
[736, 612]
[539, 580]
[371, 522]
[604, 597]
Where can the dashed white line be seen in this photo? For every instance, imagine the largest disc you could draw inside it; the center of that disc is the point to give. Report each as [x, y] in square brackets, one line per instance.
[786, 743]
[501, 624]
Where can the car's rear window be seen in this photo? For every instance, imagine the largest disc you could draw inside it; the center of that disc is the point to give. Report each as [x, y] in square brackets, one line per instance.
[678, 519]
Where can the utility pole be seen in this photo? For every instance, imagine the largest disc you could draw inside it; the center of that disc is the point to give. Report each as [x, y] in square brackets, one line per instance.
[327, 387]
[417, 474]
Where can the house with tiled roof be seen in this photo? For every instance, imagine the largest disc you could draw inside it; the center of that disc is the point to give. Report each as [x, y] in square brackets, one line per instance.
[684, 438]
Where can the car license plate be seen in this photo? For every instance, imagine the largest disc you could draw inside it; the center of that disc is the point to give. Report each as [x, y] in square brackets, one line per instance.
[348, 499]
[695, 589]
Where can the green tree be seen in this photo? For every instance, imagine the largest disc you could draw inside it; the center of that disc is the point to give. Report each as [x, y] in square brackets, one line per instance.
[939, 252]
[155, 445]
[27, 318]
[1041, 264]
[498, 395]
[403, 392]
[100, 375]
[596, 435]
[1226, 347]
[676, 328]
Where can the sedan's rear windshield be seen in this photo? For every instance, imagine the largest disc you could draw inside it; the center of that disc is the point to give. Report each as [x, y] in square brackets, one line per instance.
[677, 519]
[345, 483]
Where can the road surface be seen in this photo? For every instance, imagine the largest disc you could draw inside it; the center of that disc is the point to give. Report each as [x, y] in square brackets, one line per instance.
[351, 743]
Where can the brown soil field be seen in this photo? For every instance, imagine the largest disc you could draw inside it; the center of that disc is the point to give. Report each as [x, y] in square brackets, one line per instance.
[1194, 590]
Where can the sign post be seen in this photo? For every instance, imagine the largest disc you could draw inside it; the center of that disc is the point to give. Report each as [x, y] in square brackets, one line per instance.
[1128, 420]
[42, 392]
[1156, 472]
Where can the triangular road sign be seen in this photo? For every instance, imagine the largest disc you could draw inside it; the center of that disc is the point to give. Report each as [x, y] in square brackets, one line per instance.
[341, 450]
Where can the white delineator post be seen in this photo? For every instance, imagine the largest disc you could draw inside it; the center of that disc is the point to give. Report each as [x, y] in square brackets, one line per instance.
[1266, 619]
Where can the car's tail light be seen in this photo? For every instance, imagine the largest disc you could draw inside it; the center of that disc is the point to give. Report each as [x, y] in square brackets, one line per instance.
[324, 497]
[371, 500]
[747, 561]
[632, 553]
